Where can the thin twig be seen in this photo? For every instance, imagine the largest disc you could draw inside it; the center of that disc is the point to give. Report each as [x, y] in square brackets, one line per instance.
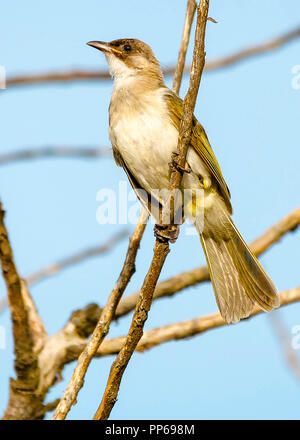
[175, 332]
[189, 17]
[189, 103]
[100, 75]
[135, 333]
[68, 343]
[58, 266]
[54, 152]
[161, 248]
[102, 327]
[54, 268]
[251, 51]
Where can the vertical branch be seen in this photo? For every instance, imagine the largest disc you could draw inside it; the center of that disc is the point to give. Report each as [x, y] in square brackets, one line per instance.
[22, 402]
[102, 327]
[189, 17]
[135, 332]
[189, 102]
[161, 248]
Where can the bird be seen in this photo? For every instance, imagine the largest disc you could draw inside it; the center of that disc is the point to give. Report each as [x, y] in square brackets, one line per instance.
[144, 120]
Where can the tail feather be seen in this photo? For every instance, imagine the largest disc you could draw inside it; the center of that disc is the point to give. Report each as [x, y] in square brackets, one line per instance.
[232, 300]
[237, 277]
[264, 290]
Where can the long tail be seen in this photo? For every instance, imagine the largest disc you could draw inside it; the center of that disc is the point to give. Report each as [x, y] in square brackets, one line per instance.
[237, 277]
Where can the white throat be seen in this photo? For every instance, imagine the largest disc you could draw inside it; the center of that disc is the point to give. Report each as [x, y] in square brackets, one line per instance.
[121, 73]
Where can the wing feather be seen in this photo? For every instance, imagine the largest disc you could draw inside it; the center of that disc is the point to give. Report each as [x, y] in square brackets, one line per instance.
[200, 143]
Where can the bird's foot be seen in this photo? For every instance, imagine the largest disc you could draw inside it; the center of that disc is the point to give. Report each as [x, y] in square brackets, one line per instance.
[166, 233]
[175, 165]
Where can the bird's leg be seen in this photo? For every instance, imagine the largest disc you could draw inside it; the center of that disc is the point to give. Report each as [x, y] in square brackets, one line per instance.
[166, 232]
[174, 164]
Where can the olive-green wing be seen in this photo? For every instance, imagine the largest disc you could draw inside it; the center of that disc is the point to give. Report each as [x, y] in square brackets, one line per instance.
[200, 143]
[150, 203]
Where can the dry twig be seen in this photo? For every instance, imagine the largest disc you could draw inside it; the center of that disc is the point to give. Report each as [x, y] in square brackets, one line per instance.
[189, 17]
[189, 328]
[161, 248]
[172, 332]
[54, 352]
[102, 327]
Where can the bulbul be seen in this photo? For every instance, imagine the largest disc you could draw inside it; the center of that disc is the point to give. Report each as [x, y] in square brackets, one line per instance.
[144, 119]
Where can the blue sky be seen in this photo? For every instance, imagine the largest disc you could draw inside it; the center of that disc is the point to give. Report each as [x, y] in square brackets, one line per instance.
[251, 114]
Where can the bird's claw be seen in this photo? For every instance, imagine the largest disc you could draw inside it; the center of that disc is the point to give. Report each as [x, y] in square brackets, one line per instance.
[166, 233]
[175, 165]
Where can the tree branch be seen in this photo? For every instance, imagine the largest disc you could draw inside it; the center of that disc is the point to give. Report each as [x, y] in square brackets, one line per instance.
[161, 248]
[173, 332]
[22, 315]
[189, 17]
[54, 152]
[100, 75]
[251, 51]
[66, 345]
[135, 333]
[102, 327]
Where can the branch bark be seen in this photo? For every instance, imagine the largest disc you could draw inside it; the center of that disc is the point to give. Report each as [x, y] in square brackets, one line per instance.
[66, 345]
[23, 401]
[172, 332]
[189, 17]
[70, 395]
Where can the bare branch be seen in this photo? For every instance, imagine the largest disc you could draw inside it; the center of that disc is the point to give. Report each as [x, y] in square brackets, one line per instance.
[26, 365]
[189, 17]
[161, 248]
[55, 268]
[100, 75]
[55, 152]
[252, 51]
[102, 327]
[135, 332]
[173, 332]
[36, 325]
[68, 343]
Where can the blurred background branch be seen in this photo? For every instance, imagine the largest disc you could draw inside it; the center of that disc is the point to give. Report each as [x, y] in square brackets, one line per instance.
[64, 263]
[81, 75]
[54, 152]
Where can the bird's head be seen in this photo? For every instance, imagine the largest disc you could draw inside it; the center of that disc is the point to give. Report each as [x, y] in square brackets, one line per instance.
[128, 58]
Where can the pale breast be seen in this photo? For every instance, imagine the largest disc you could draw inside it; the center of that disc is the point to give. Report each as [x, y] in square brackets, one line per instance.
[141, 131]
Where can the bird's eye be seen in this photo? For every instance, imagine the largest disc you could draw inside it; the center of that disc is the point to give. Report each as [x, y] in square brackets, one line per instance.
[127, 48]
